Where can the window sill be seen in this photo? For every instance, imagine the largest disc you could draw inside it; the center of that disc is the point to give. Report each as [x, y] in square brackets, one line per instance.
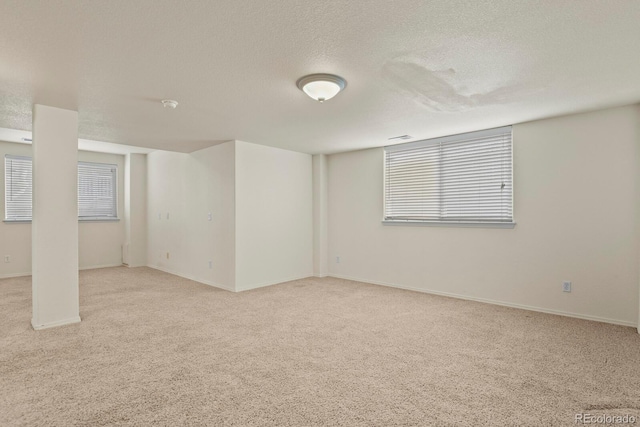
[460, 224]
[28, 221]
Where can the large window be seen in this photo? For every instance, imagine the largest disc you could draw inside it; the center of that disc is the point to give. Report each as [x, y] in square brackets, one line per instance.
[97, 190]
[17, 188]
[463, 178]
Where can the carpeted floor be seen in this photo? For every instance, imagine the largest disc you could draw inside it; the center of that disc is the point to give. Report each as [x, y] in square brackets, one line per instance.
[155, 349]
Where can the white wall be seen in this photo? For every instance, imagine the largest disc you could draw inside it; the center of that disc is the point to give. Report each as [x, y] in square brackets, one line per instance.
[320, 219]
[576, 205]
[182, 189]
[134, 252]
[99, 242]
[274, 230]
[15, 238]
[54, 225]
[260, 199]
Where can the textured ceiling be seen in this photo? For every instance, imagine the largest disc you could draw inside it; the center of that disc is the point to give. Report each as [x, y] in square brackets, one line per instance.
[423, 68]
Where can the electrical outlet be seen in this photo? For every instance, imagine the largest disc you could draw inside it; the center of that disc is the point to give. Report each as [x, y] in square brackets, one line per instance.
[566, 286]
[210, 264]
[209, 216]
[7, 258]
[337, 260]
[167, 255]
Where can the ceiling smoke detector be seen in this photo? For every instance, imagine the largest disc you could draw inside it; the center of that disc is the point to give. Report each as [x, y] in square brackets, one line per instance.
[169, 103]
[400, 137]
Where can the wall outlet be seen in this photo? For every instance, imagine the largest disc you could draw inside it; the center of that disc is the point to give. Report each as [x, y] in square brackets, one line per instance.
[337, 260]
[7, 258]
[566, 286]
[209, 216]
[167, 255]
[210, 264]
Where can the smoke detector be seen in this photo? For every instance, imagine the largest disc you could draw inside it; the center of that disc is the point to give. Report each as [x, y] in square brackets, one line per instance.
[400, 137]
[169, 103]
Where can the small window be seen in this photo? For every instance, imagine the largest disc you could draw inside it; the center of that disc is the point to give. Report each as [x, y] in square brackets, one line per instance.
[97, 190]
[17, 188]
[463, 178]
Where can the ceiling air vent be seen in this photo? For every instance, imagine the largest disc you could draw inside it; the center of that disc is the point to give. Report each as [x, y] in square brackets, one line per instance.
[400, 137]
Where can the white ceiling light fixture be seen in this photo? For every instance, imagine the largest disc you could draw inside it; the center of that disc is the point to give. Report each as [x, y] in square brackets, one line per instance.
[321, 87]
[169, 103]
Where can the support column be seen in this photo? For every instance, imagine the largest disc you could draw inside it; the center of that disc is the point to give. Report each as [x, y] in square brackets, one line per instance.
[135, 210]
[54, 227]
[320, 215]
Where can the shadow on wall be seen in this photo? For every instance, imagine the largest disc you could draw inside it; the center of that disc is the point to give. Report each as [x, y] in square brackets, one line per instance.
[444, 90]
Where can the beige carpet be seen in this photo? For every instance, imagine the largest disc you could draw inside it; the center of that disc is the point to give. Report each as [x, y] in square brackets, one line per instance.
[155, 349]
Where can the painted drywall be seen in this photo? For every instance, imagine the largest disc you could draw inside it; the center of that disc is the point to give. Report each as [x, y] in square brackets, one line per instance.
[320, 220]
[100, 243]
[54, 226]
[182, 190]
[260, 202]
[274, 212]
[576, 205]
[15, 238]
[134, 251]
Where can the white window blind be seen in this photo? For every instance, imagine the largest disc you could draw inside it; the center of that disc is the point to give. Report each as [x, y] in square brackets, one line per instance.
[97, 191]
[460, 178]
[17, 187]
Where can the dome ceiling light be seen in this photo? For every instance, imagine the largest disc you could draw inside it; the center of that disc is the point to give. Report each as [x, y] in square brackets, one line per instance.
[321, 87]
[169, 103]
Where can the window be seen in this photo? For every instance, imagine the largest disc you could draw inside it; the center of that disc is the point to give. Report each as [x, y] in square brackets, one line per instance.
[97, 190]
[17, 188]
[463, 178]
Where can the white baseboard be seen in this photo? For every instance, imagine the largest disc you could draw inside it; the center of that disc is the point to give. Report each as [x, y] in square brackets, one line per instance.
[271, 282]
[93, 267]
[55, 324]
[8, 276]
[186, 276]
[227, 288]
[495, 302]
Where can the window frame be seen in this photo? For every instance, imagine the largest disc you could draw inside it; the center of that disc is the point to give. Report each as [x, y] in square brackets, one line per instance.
[115, 172]
[471, 223]
[13, 157]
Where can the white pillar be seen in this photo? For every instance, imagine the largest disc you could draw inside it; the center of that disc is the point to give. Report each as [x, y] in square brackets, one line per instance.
[320, 228]
[135, 210]
[55, 217]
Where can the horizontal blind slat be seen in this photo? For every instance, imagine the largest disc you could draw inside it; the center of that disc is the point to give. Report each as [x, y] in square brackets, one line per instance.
[18, 176]
[97, 189]
[465, 176]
